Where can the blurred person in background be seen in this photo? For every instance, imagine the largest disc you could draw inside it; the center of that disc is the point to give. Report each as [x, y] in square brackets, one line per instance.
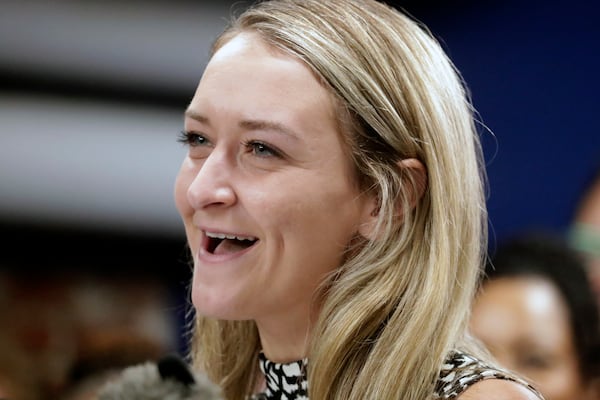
[536, 313]
[584, 233]
[17, 380]
[62, 337]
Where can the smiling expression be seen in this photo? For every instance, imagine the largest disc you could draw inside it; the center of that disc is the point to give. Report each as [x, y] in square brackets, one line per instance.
[267, 192]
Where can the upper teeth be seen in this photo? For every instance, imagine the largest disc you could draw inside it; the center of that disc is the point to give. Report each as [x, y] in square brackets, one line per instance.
[225, 236]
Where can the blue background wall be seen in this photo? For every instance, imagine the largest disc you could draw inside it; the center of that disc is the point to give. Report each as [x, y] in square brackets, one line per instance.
[533, 71]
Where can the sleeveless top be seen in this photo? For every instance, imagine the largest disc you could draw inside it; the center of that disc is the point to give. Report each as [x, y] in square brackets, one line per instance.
[459, 371]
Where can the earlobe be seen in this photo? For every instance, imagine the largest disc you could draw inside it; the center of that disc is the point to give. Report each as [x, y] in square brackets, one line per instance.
[414, 178]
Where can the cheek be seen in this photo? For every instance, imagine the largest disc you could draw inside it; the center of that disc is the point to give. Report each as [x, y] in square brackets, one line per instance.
[320, 227]
[563, 379]
[560, 383]
[307, 208]
[182, 183]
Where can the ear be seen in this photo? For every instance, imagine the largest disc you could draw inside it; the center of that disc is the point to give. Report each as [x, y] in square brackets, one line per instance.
[368, 219]
[411, 170]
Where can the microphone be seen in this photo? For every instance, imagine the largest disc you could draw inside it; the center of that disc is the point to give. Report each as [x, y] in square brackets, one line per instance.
[168, 379]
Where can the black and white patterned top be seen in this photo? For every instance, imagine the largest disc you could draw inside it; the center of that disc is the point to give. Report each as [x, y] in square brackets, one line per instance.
[283, 381]
[288, 381]
[461, 370]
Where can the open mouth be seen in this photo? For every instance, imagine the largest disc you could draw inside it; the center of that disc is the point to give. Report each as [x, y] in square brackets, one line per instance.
[220, 243]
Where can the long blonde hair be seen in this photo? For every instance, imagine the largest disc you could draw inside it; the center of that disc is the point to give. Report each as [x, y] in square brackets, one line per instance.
[400, 303]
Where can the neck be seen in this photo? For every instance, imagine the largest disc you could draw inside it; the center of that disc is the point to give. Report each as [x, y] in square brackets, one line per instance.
[284, 338]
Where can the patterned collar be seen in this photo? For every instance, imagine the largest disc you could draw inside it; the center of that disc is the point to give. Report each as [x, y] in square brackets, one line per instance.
[459, 371]
[284, 381]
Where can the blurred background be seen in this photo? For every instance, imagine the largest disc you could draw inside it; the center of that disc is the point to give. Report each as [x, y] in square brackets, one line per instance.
[93, 267]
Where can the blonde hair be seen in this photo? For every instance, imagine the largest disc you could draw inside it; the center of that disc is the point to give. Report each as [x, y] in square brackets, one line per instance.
[400, 302]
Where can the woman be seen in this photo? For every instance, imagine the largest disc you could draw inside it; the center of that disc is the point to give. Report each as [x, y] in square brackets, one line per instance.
[333, 205]
[537, 313]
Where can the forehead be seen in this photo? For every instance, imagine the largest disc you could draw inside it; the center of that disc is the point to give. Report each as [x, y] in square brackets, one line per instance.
[248, 79]
[250, 73]
[532, 304]
[248, 57]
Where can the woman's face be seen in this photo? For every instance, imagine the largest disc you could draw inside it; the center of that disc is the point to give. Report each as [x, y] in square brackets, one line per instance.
[525, 324]
[266, 192]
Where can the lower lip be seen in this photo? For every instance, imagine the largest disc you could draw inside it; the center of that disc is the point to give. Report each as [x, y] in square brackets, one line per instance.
[209, 258]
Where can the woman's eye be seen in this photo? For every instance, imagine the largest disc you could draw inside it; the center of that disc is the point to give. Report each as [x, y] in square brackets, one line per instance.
[192, 139]
[260, 149]
[534, 361]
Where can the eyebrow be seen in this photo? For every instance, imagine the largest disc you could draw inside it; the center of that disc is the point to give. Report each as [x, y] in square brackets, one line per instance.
[249, 124]
[189, 113]
[264, 125]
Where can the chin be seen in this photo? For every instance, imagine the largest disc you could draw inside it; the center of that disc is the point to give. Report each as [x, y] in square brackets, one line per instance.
[215, 307]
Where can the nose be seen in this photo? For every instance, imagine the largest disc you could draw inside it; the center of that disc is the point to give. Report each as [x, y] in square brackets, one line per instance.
[213, 186]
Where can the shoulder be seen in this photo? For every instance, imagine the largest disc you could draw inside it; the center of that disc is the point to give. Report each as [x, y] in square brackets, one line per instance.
[466, 377]
[498, 389]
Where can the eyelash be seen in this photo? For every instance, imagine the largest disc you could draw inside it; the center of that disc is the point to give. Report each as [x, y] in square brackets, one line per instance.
[194, 139]
[191, 139]
[255, 146]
